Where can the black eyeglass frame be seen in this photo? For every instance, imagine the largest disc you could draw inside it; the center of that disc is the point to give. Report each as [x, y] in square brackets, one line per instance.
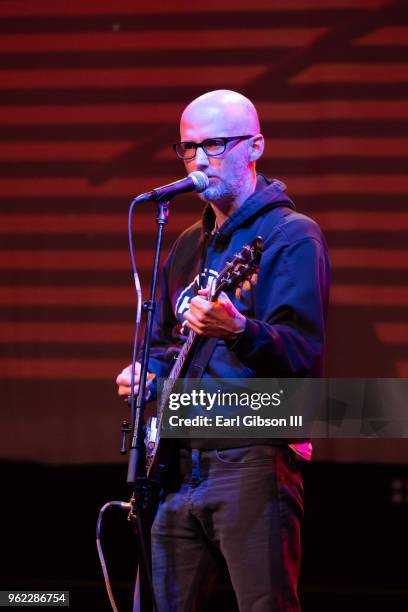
[196, 145]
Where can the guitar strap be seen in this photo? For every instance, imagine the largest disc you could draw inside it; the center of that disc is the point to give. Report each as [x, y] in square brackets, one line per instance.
[201, 358]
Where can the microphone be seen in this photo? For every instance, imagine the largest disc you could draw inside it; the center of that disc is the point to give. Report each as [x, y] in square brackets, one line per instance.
[195, 181]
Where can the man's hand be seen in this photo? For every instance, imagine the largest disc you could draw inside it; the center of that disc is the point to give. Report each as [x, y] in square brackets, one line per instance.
[220, 318]
[123, 382]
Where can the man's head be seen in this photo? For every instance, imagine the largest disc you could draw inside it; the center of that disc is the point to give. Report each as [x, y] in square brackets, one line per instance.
[224, 113]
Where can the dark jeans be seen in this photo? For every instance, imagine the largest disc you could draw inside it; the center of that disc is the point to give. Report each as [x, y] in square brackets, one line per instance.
[245, 504]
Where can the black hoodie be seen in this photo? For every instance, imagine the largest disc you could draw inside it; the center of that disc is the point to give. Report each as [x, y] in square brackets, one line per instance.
[285, 305]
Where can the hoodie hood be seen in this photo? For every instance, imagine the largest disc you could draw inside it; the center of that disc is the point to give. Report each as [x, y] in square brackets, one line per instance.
[269, 193]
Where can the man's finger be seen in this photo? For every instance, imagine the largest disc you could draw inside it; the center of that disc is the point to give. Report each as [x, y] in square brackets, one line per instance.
[124, 376]
[122, 379]
[124, 390]
[199, 302]
[191, 318]
[193, 323]
[223, 297]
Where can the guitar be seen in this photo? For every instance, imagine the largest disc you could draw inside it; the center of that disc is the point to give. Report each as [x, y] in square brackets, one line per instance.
[243, 265]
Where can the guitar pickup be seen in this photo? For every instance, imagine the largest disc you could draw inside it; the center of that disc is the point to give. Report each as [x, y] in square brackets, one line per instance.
[151, 432]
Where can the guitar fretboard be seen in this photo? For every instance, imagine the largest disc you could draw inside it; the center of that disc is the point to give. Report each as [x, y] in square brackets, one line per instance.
[182, 356]
[175, 373]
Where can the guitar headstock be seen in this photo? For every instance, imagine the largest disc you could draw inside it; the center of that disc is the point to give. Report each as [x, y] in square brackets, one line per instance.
[244, 264]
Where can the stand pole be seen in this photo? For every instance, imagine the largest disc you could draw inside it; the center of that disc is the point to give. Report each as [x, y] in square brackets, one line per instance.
[136, 476]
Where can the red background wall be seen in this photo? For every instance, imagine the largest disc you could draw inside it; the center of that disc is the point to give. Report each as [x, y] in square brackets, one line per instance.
[90, 96]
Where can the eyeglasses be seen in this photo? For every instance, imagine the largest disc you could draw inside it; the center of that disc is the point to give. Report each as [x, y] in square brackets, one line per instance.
[211, 146]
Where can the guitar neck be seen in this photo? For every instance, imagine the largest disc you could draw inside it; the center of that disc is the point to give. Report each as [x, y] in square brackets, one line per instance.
[174, 375]
[182, 356]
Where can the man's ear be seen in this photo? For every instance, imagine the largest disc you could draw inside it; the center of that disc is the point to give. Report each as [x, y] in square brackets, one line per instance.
[257, 145]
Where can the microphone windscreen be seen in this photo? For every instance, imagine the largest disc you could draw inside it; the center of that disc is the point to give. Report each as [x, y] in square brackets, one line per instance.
[200, 179]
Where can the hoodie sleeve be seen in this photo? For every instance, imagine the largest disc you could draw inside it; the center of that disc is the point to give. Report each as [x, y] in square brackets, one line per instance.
[287, 336]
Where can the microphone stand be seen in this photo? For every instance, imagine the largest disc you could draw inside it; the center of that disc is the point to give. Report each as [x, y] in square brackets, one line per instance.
[136, 476]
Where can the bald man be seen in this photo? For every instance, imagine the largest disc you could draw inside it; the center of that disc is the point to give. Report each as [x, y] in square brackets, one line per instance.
[237, 501]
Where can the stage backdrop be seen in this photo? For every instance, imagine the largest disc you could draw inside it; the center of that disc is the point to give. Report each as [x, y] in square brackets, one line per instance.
[90, 95]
